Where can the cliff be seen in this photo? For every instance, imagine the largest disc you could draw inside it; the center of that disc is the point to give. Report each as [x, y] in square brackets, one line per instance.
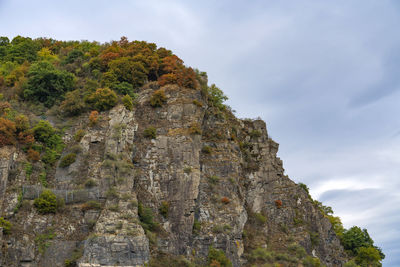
[163, 186]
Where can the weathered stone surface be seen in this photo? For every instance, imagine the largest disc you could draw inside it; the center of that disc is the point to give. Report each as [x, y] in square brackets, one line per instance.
[209, 197]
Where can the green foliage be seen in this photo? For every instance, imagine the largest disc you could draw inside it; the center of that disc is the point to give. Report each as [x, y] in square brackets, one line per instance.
[217, 257]
[305, 188]
[124, 88]
[79, 135]
[216, 97]
[128, 102]
[351, 264]
[28, 170]
[103, 99]
[47, 202]
[260, 218]
[150, 133]
[6, 225]
[164, 209]
[196, 227]
[355, 238]
[67, 160]
[158, 98]
[206, 149]
[255, 133]
[72, 261]
[297, 250]
[42, 240]
[125, 69]
[45, 133]
[213, 179]
[43, 178]
[368, 256]
[20, 49]
[91, 205]
[146, 218]
[261, 255]
[311, 262]
[314, 237]
[46, 84]
[73, 104]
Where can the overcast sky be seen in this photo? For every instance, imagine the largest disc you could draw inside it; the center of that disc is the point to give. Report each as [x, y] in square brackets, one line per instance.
[324, 75]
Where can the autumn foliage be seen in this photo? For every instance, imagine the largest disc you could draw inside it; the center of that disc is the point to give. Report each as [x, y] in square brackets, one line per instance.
[93, 117]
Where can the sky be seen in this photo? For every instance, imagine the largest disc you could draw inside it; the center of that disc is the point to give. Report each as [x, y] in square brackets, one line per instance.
[324, 75]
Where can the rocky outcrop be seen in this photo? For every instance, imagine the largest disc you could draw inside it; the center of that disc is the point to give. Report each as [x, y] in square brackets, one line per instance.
[206, 179]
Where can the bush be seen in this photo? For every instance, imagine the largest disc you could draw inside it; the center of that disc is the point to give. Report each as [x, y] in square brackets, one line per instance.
[195, 128]
[217, 257]
[103, 99]
[91, 205]
[213, 179]
[73, 104]
[146, 218]
[164, 209]
[94, 115]
[150, 133]
[124, 88]
[311, 262]
[67, 160]
[47, 202]
[297, 250]
[278, 203]
[260, 218]
[196, 227]
[33, 155]
[158, 98]
[206, 150]
[6, 225]
[46, 84]
[79, 135]
[128, 102]
[260, 255]
[7, 132]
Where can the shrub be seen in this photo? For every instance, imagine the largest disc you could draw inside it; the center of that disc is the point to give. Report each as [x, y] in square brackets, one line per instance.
[195, 128]
[217, 257]
[46, 84]
[297, 250]
[225, 200]
[198, 103]
[164, 209]
[47, 202]
[187, 170]
[93, 117]
[278, 203]
[67, 160]
[73, 104]
[7, 132]
[41, 240]
[6, 225]
[206, 150]
[311, 262]
[45, 133]
[261, 255]
[260, 218]
[150, 133]
[80, 134]
[128, 102]
[368, 256]
[196, 227]
[91, 205]
[255, 134]
[158, 98]
[90, 183]
[213, 179]
[124, 88]
[103, 99]
[33, 155]
[146, 217]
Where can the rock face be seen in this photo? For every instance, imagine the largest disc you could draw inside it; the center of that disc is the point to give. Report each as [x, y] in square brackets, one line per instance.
[206, 179]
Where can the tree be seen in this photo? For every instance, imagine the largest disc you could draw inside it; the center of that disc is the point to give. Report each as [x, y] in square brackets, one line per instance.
[126, 69]
[46, 84]
[102, 99]
[22, 49]
[368, 256]
[355, 238]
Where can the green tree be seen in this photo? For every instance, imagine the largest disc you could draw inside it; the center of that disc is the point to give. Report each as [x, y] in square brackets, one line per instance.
[22, 49]
[46, 84]
[368, 257]
[102, 99]
[355, 238]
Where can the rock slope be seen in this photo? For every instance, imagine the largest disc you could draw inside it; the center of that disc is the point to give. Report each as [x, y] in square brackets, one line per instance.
[206, 180]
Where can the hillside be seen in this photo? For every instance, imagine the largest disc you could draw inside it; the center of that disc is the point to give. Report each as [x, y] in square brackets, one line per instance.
[118, 154]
